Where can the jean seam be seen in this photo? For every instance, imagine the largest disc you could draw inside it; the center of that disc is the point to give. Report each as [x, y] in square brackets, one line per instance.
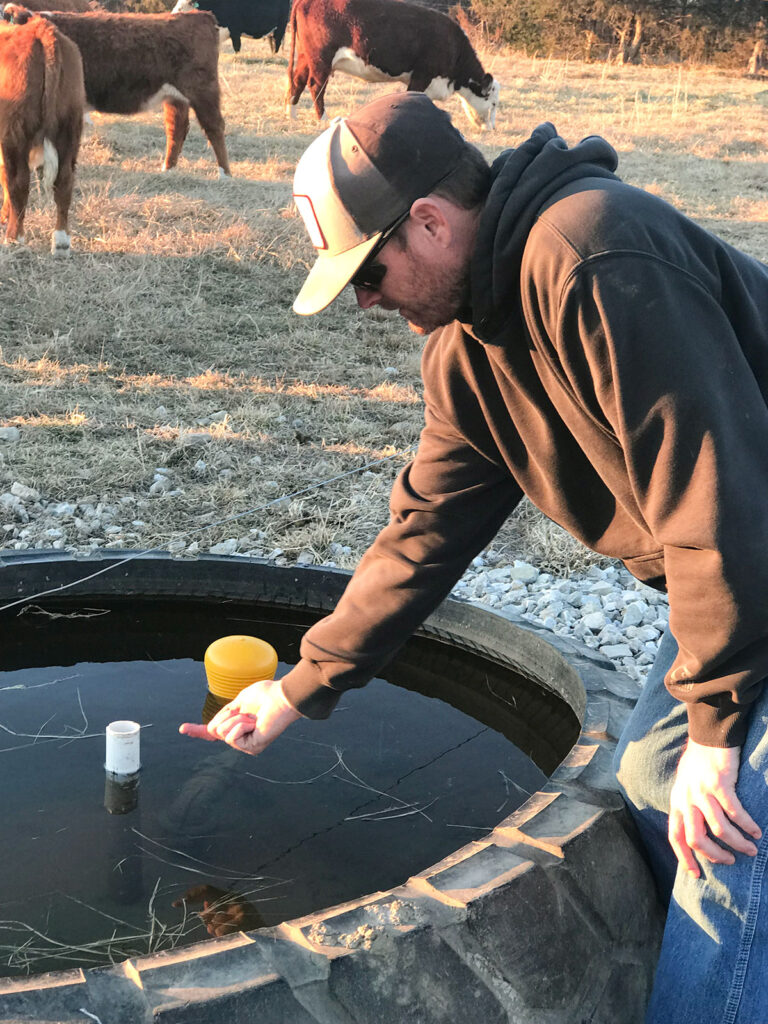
[747, 935]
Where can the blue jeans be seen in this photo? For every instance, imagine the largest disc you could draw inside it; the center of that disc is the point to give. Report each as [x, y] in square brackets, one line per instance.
[713, 967]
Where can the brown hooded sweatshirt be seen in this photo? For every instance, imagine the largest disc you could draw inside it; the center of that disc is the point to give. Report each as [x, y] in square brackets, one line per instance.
[616, 372]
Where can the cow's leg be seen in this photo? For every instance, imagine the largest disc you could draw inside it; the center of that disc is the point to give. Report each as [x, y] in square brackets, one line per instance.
[420, 83]
[16, 182]
[67, 147]
[176, 115]
[297, 83]
[207, 108]
[318, 82]
[4, 212]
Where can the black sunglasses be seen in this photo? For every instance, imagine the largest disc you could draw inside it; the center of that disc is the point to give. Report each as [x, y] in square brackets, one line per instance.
[371, 274]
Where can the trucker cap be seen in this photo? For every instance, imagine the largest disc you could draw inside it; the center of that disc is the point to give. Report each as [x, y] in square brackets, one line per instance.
[362, 175]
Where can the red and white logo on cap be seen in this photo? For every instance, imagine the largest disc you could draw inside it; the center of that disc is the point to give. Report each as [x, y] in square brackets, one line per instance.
[312, 224]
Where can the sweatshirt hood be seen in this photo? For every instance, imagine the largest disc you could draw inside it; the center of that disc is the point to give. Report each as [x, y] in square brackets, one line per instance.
[524, 179]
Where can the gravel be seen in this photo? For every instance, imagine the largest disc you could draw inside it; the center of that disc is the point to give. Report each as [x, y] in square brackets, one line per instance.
[605, 608]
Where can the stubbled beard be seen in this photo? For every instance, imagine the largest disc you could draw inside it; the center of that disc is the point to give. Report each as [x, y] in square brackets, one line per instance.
[445, 292]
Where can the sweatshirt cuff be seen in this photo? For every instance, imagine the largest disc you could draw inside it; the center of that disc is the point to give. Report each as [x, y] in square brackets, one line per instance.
[723, 724]
[306, 691]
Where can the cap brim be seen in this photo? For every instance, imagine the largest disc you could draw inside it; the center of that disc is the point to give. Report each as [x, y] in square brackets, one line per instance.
[330, 276]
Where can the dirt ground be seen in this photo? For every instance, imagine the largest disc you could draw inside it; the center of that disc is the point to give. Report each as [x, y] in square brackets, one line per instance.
[161, 384]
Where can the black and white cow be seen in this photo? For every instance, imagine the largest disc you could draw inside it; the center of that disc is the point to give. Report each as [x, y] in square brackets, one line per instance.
[386, 41]
[236, 18]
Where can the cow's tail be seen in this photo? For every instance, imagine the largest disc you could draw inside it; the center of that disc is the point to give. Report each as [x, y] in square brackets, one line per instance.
[293, 49]
[52, 79]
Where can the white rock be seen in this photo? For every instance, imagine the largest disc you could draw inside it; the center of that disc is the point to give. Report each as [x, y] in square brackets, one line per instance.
[504, 572]
[616, 650]
[63, 508]
[595, 621]
[634, 613]
[14, 504]
[602, 589]
[160, 486]
[24, 492]
[9, 434]
[194, 437]
[647, 634]
[524, 572]
[225, 547]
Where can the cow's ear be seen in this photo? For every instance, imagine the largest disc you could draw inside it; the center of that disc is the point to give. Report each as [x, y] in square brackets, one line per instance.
[487, 80]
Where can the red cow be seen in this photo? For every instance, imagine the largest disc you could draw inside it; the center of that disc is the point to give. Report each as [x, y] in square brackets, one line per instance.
[41, 118]
[386, 41]
[133, 62]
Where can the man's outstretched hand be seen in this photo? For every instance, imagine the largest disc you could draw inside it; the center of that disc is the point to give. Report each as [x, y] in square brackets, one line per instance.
[704, 804]
[250, 722]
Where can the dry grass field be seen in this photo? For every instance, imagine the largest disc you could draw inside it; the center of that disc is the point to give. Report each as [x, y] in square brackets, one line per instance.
[173, 315]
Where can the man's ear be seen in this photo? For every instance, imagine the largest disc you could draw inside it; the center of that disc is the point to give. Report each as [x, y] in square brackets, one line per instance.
[431, 216]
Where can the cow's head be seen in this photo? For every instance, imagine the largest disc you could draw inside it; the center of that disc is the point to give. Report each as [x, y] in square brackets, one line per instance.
[481, 101]
[16, 14]
[182, 6]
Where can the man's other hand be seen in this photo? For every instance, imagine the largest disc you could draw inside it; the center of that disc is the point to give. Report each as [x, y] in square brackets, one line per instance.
[250, 722]
[704, 807]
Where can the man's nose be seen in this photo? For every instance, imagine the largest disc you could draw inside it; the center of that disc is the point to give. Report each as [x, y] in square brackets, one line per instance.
[367, 297]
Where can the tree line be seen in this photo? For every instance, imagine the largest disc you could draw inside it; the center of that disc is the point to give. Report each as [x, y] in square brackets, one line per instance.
[730, 32]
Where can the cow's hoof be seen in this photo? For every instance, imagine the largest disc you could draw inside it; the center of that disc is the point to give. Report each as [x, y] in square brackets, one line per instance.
[224, 175]
[61, 244]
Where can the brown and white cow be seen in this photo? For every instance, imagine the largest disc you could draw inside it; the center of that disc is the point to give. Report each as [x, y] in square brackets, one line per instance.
[41, 119]
[134, 62]
[386, 41]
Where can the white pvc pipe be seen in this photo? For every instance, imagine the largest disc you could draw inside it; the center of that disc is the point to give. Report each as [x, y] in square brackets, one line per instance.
[123, 748]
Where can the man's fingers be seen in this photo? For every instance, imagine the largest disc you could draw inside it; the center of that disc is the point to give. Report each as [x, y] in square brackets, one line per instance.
[739, 816]
[679, 844]
[722, 829]
[200, 732]
[237, 728]
[698, 839]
